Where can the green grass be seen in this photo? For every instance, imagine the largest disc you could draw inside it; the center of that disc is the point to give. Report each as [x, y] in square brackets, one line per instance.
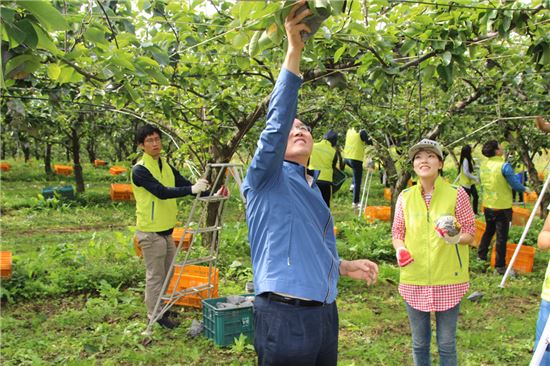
[76, 295]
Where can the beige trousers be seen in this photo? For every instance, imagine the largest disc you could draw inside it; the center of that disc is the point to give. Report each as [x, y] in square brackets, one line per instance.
[158, 252]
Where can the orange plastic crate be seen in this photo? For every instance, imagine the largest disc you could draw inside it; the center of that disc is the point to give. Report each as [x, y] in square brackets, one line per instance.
[194, 276]
[176, 235]
[387, 194]
[121, 192]
[524, 260]
[382, 213]
[480, 229]
[98, 162]
[117, 170]
[530, 197]
[5, 167]
[63, 169]
[5, 264]
[520, 216]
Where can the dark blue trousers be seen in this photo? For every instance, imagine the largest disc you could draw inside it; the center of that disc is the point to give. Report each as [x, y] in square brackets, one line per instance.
[357, 168]
[295, 335]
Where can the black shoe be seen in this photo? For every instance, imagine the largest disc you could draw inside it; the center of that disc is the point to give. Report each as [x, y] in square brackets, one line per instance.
[165, 322]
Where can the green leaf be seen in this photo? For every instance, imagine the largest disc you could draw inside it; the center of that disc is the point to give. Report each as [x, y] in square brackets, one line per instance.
[253, 48]
[46, 14]
[339, 52]
[95, 35]
[44, 41]
[240, 40]
[131, 92]
[24, 64]
[54, 71]
[159, 55]
[407, 46]
[8, 15]
[65, 75]
[31, 38]
[446, 57]
[427, 73]
[123, 60]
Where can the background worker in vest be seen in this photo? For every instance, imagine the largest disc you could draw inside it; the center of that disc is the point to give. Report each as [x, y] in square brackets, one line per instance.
[292, 244]
[497, 181]
[544, 310]
[434, 272]
[467, 178]
[325, 158]
[156, 184]
[354, 152]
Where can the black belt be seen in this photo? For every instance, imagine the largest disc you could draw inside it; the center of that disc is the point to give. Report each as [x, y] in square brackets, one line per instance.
[290, 300]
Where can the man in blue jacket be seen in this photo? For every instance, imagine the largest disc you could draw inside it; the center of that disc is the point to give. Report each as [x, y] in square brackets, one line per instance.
[292, 243]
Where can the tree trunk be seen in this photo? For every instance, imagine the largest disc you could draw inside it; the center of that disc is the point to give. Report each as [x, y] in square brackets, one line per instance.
[90, 148]
[78, 177]
[48, 159]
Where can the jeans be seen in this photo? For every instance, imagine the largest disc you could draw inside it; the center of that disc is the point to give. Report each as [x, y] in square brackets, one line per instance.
[472, 192]
[158, 252]
[544, 311]
[445, 332]
[499, 221]
[295, 335]
[357, 168]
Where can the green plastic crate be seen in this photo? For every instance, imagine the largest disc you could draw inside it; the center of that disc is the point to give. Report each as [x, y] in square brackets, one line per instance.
[63, 192]
[224, 325]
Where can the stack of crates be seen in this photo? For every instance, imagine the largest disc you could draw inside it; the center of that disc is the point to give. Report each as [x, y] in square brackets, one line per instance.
[193, 276]
[63, 169]
[5, 167]
[117, 170]
[381, 213]
[65, 192]
[98, 162]
[5, 265]
[524, 261]
[520, 216]
[224, 325]
[121, 192]
[480, 229]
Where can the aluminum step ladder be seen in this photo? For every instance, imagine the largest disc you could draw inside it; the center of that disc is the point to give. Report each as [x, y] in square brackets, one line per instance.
[223, 172]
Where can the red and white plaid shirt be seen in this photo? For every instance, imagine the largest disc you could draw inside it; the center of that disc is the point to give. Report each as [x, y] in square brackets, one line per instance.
[443, 297]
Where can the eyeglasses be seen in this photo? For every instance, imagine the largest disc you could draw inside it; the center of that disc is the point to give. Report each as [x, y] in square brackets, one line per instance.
[152, 140]
[302, 128]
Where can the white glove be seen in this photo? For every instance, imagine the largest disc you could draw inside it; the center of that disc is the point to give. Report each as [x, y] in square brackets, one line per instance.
[200, 186]
[527, 190]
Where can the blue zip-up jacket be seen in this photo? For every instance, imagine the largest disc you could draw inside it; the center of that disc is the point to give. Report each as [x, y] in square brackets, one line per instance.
[511, 178]
[290, 228]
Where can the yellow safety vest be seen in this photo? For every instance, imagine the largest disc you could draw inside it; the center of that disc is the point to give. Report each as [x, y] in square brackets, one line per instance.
[464, 180]
[154, 214]
[435, 261]
[496, 191]
[546, 285]
[354, 148]
[321, 159]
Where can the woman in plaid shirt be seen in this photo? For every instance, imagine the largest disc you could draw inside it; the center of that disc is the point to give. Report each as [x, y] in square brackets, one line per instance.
[434, 263]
